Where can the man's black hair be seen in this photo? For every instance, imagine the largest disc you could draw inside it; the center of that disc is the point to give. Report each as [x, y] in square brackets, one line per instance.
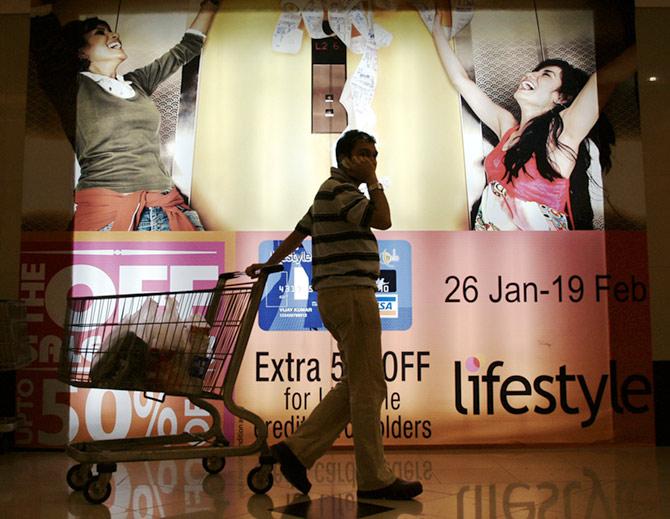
[346, 144]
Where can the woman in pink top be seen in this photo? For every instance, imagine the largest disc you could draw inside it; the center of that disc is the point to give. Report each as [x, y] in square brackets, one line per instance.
[543, 157]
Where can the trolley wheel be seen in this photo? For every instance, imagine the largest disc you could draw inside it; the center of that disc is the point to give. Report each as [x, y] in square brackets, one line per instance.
[76, 479]
[213, 464]
[260, 479]
[97, 491]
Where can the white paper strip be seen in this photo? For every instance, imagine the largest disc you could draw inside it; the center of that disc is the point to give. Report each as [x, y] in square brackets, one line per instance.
[359, 18]
[359, 91]
[462, 12]
[426, 9]
[340, 19]
[287, 38]
[383, 38]
[312, 13]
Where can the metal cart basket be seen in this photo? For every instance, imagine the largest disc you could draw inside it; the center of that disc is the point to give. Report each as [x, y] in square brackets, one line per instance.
[188, 343]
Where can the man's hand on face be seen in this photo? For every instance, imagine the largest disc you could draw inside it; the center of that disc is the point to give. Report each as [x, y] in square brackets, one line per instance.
[361, 168]
[362, 163]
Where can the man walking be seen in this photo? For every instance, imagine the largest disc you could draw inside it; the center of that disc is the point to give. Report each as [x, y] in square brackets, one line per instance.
[345, 266]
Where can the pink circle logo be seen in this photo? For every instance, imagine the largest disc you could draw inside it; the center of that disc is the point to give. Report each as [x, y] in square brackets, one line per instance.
[472, 364]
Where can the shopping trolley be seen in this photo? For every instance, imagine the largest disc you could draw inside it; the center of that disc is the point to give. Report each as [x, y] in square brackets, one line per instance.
[14, 353]
[187, 343]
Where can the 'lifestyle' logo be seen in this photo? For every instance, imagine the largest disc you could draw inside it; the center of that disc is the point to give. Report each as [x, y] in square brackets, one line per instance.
[493, 389]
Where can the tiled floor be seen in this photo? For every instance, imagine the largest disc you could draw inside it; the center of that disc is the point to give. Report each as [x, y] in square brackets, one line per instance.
[544, 483]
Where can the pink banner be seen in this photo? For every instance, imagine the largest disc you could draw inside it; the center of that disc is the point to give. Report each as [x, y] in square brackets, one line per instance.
[510, 341]
[53, 269]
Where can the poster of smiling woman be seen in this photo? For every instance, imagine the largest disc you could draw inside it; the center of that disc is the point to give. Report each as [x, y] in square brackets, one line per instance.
[548, 126]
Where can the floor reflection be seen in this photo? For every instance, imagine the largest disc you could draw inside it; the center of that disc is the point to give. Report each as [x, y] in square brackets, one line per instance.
[566, 483]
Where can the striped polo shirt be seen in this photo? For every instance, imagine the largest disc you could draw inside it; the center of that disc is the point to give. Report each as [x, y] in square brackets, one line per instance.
[344, 249]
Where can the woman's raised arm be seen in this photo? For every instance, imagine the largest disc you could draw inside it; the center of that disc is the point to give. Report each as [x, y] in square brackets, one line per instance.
[582, 114]
[492, 115]
[205, 16]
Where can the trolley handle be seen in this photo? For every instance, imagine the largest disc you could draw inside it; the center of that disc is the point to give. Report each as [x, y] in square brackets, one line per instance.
[267, 270]
[271, 269]
[225, 276]
[213, 306]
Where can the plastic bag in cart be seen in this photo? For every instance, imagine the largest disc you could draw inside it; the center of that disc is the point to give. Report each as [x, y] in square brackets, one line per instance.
[154, 349]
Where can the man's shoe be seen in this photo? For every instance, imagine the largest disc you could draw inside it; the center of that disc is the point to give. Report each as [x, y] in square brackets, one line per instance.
[398, 490]
[291, 467]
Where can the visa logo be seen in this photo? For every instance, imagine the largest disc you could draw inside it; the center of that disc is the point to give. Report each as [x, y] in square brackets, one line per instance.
[388, 306]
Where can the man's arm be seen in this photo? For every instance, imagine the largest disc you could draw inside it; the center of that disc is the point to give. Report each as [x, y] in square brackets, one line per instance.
[286, 247]
[381, 215]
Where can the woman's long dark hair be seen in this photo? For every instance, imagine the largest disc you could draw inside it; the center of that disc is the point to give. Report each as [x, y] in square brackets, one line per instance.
[546, 128]
[74, 33]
